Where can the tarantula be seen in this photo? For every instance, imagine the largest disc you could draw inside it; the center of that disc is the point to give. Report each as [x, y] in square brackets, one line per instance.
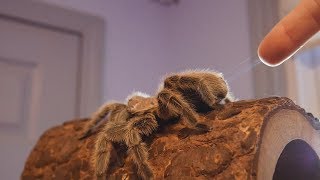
[180, 95]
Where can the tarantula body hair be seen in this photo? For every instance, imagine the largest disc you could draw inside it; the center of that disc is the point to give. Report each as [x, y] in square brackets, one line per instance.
[180, 95]
[123, 131]
[118, 113]
[203, 89]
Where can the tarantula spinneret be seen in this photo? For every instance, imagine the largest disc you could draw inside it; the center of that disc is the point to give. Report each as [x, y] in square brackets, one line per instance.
[180, 95]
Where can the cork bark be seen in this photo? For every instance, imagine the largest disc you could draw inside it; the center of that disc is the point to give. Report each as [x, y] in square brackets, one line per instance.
[229, 151]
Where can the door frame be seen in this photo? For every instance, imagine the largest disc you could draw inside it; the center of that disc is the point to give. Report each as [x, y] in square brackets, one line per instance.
[89, 28]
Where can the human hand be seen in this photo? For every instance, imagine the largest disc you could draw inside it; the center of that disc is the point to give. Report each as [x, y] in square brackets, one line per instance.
[291, 33]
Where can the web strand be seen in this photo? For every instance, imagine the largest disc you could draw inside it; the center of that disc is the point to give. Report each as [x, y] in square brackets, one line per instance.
[242, 68]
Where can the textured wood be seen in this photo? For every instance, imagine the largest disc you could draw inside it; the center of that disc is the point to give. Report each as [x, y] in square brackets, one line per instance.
[230, 151]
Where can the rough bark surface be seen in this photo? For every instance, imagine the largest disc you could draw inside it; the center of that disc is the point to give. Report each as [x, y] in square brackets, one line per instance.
[176, 152]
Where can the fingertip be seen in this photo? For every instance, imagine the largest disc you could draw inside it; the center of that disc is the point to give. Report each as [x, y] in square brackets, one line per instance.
[266, 61]
[276, 47]
[272, 58]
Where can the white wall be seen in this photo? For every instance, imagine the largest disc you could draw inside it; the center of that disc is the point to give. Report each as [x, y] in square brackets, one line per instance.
[212, 34]
[145, 40]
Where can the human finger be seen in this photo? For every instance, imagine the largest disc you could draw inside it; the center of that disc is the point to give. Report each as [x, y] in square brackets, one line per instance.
[291, 33]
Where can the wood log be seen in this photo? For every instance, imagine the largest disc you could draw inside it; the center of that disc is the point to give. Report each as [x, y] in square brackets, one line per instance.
[251, 139]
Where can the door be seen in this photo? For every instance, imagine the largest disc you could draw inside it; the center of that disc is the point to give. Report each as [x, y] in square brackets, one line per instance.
[39, 86]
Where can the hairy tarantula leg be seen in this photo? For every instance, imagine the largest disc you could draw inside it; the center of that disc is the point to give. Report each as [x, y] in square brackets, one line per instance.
[101, 155]
[229, 98]
[210, 97]
[139, 153]
[175, 105]
[212, 90]
[98, 116]
[144, 124]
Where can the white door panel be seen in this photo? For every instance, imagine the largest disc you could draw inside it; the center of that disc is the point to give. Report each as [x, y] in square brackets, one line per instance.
[39, 75]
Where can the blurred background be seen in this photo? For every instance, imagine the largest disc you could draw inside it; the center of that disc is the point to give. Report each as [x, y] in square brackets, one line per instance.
[61, 59]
